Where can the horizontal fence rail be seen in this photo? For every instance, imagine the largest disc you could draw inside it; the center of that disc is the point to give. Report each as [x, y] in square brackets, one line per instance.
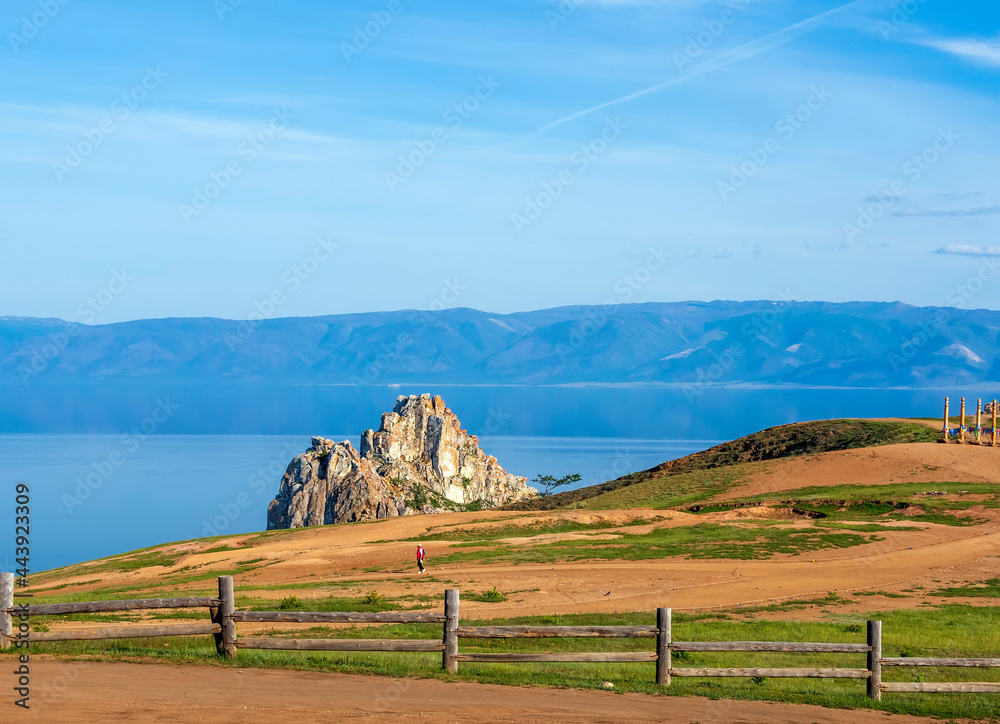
[125, 632]
[523, 632]
[969, 663]
[561, 657]
[427, 645]
[947, 687]
[775, 646]
[777, 673]
[336, 617]
[55, 609]
[224, 617]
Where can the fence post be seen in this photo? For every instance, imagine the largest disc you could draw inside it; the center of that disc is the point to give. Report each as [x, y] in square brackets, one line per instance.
[875, 660]
[214, 612]
[663, 640]
[6, 601]
[450, 663]
[226, 641]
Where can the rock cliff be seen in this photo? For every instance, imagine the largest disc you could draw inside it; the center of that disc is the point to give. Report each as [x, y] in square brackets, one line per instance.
[419, 461]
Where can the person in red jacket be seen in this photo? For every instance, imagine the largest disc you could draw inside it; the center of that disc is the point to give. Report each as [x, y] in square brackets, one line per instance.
[421, 555]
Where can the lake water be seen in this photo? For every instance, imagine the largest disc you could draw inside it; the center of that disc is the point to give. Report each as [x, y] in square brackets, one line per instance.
[115, 469]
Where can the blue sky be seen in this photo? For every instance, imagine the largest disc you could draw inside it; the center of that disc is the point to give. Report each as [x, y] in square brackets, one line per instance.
[503, 156]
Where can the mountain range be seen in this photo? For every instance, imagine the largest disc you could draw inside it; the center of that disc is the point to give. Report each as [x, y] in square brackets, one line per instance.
[855, 344]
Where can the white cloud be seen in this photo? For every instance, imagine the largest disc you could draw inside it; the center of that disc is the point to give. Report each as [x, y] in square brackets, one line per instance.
[975, 211]
[969, 250]
[984, 52]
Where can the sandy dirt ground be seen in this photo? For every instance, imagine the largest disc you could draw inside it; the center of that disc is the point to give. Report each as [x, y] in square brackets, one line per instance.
[84, 692]
[910, 463]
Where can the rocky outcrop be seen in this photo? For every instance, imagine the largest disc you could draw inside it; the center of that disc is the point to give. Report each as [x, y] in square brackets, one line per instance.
[419, 461]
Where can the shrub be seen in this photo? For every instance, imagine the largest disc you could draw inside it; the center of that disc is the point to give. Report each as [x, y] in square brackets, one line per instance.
[494, 595]
[291, 603]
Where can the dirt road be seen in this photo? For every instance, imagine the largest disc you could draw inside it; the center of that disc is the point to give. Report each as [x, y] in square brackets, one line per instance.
[78, 692]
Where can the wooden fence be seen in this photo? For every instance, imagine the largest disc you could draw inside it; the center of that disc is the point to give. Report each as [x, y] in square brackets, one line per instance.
[15, 626]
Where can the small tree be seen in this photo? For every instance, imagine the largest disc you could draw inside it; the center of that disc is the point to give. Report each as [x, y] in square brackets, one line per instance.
[549, 482]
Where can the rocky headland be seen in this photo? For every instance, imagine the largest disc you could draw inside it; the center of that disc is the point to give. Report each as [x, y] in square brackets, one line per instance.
[419, 461]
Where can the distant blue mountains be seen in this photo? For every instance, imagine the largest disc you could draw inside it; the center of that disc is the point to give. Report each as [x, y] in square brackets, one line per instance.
[694, 344]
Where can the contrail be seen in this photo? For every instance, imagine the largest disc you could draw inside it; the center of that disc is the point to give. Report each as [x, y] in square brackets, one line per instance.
[747, 50]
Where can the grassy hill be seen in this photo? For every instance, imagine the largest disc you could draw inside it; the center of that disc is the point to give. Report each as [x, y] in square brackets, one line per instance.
[682, 475]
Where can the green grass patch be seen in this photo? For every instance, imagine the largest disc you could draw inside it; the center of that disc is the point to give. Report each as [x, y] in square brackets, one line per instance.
[131, 562]
[986, 589]
[883, 594]
[225, 549]
[494, 595]
[672, 491]
[707, 540]
[793, 604]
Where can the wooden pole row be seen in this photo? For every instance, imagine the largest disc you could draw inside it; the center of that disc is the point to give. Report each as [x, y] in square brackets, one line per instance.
[979, 430]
